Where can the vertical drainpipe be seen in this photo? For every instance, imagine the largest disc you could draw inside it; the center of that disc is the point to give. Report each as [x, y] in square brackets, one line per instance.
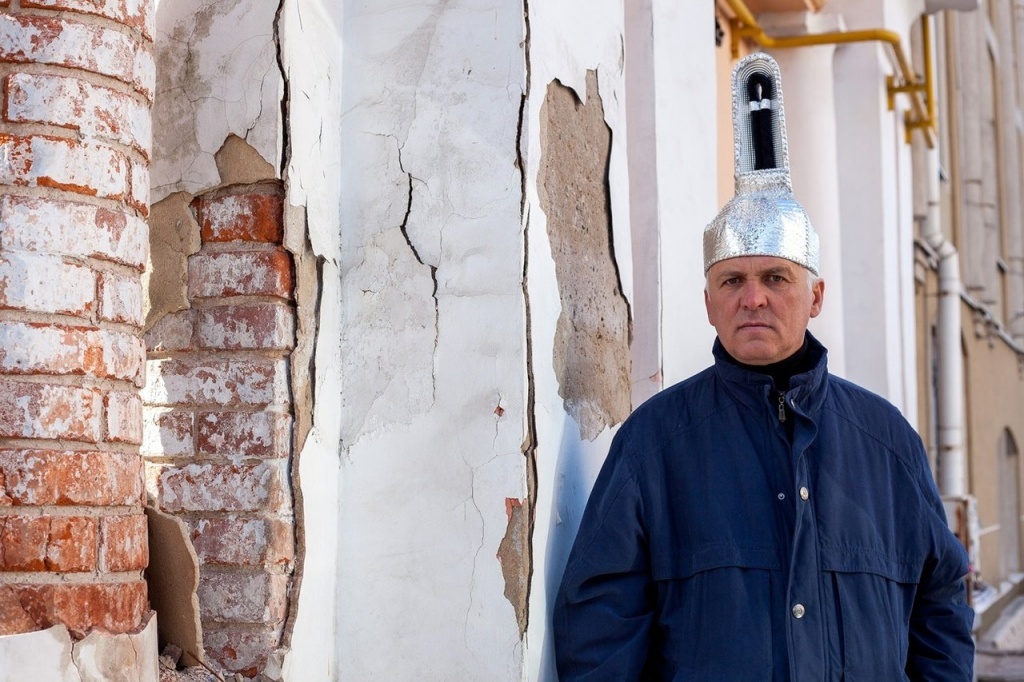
[952, 453]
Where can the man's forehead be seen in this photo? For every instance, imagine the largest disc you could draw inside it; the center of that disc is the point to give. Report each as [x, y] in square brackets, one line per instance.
[753, 265]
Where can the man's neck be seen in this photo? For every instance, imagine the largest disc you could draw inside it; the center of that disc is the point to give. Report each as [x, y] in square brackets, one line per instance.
[783, 370]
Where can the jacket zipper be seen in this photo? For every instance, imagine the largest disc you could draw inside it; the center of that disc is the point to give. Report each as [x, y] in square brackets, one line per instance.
[782, 407]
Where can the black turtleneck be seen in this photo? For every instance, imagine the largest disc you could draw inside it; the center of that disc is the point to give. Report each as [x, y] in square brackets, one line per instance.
[782, 371]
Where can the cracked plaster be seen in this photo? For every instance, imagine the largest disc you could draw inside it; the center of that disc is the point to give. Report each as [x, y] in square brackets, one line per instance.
[217, 74]
[51, 655]
[432, 336]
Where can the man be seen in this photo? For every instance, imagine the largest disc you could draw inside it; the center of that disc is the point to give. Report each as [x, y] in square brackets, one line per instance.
[764, 520]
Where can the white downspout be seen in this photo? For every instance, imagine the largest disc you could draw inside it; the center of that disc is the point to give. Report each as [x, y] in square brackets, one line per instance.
[951, 454]
[952, 460]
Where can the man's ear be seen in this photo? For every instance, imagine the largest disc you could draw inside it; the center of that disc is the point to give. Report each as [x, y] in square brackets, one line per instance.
[818, 294]
[707, 306]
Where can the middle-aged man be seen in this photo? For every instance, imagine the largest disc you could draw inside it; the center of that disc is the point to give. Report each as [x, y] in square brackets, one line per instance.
[764, 520]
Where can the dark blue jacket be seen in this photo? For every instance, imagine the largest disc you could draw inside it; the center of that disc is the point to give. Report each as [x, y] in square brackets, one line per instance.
[714, 548]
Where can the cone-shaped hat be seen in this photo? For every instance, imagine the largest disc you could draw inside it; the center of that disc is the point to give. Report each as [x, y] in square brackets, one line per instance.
[763, 219]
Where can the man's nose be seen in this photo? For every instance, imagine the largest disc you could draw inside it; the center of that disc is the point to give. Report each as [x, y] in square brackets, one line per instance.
[753, 295]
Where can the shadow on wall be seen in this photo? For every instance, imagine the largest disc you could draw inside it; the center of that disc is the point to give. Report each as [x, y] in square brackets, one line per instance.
[577, 467]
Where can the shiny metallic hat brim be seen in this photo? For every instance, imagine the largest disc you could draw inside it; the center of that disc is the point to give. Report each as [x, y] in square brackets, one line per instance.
[762, 224]
[763, 218]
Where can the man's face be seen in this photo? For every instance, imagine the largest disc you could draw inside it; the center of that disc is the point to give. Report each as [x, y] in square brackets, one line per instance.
[760, 306]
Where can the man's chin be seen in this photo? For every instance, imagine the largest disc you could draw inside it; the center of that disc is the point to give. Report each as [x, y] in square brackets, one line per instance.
[756, 353]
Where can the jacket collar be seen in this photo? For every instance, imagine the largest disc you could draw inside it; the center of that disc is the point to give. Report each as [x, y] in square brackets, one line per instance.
[807, 389]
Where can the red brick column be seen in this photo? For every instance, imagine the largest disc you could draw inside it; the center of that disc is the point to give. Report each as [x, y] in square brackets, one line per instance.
[219, 421]
[77, 78]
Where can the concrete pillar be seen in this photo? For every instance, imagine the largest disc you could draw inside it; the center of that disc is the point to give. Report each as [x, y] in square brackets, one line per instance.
[74, 191]
[809, 87]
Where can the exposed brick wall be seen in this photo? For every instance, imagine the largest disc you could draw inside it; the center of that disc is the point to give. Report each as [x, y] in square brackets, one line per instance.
[76, 86]
[218, 421]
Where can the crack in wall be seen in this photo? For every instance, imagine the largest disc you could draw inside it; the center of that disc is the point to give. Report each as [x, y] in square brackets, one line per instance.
[404, 228]
[286, 145]
[523, 564]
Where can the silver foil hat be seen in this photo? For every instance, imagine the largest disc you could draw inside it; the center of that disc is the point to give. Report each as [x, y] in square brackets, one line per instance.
[763, 219]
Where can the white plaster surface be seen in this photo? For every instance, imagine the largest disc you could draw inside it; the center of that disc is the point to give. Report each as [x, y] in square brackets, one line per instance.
[315, 640]
[567, 40]
[687, 128]
[217, 74]
[875, 301]
[430, 95]
[50, 656]
[809, 87]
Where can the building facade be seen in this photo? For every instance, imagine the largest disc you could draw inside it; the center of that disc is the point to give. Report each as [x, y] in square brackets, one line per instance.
[397, 271]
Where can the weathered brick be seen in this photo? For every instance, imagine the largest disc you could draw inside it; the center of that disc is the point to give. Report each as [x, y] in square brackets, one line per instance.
[240, 273]
[243, 597]
[62, 42]
[138, 195]
[124, 417]
[45, 283]
[5, 499]
[238, 541]
[249, 434]
[121, 298]
[51, 412]
[167, 433]
[172, 332]
[190, 381]
[115, 607]
[246, 486]
[125, 543]
[79, 167]
[44, 477]
[41, 225]
[37, 348]
[240, 649]
[133, 13]
[257, 326]
[93, 110]
[246, 217]
[65, 544]
[13, 617]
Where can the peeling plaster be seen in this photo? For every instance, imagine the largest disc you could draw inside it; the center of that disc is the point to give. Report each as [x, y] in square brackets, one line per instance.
[514, 555]
[174, 236]
[173, 580]
[239, 163]
[309, 57]
[217, 74]
[51, 655]
[594, 330]
[432, 338]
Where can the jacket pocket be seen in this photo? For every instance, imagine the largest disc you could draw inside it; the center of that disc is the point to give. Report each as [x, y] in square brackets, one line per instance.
[874, 596]
[714, 610]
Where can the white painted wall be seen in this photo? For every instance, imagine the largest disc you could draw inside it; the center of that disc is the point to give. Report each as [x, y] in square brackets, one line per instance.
[875, 204]
[809, 86]
[217, 74]
[567, 40]
[687, 130]
[312, 59]
[432, 396]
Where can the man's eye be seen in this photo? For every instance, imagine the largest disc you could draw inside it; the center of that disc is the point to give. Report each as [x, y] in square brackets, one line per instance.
[776, 279]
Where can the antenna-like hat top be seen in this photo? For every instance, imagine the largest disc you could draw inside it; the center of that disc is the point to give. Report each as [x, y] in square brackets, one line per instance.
[763, 219]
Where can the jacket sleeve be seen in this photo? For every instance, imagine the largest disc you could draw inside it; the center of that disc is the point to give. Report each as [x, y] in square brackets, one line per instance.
[603, 610]
[940, 645]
